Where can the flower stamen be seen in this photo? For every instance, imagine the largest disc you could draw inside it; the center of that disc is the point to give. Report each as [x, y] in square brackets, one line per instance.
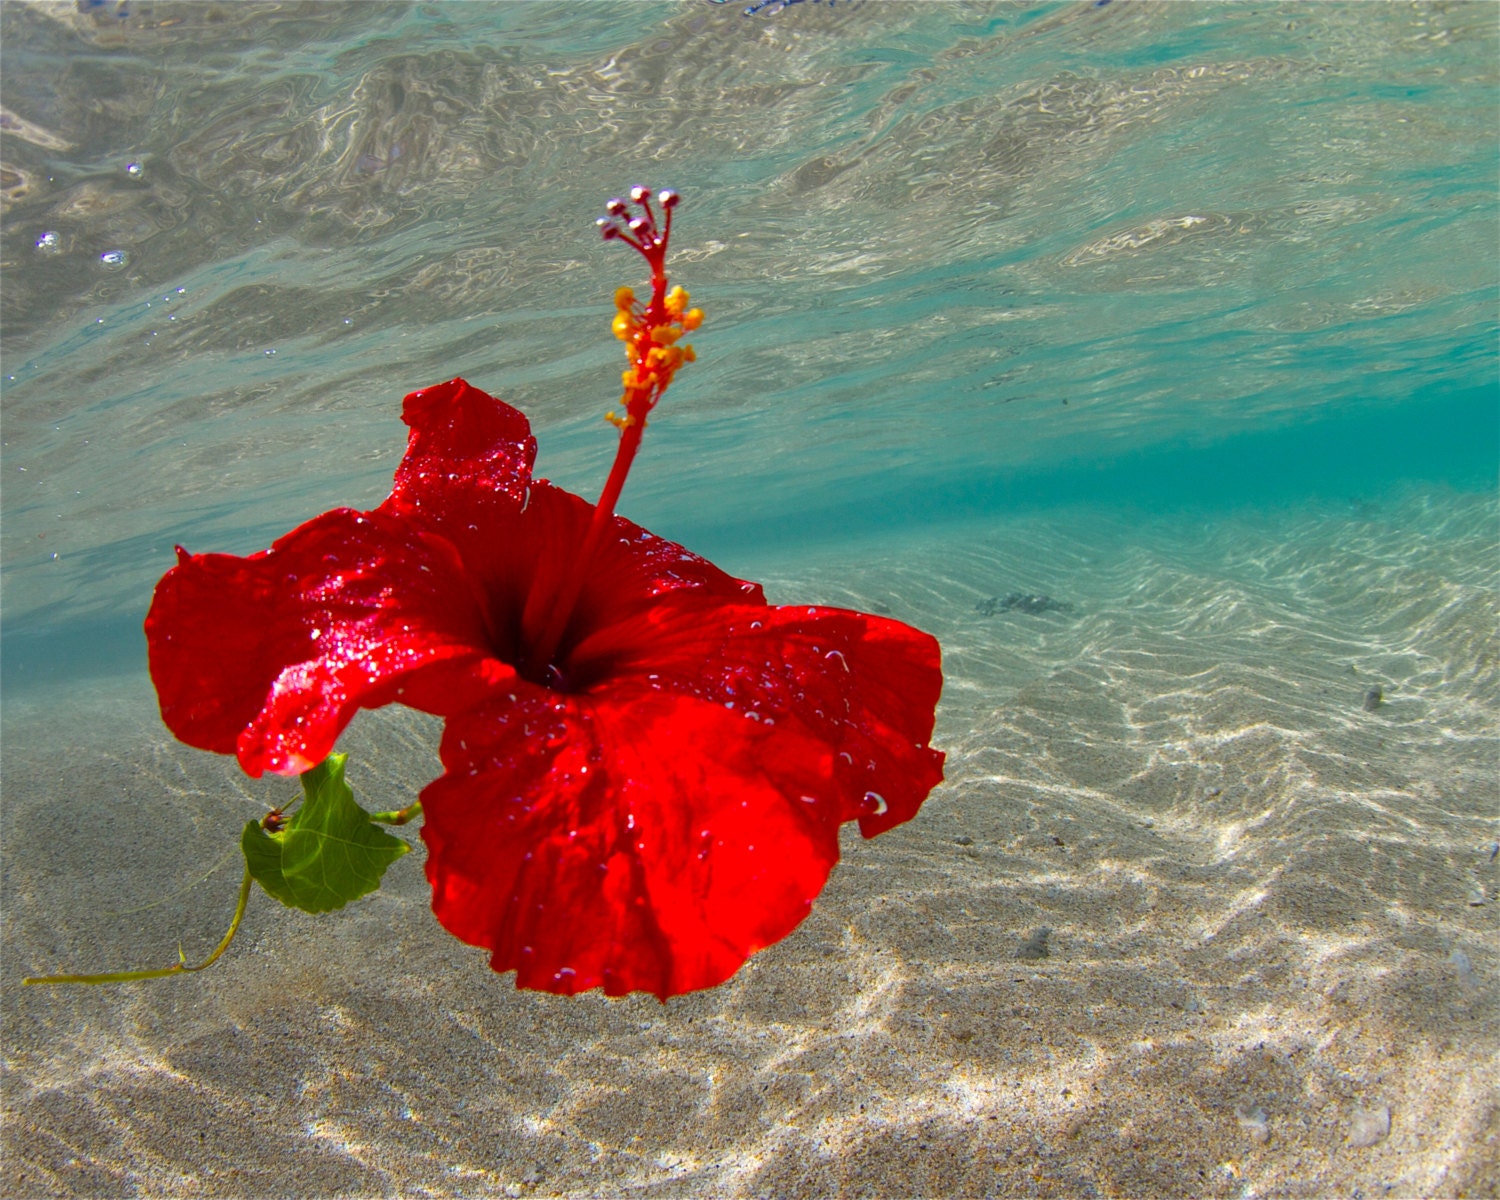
[651, 333]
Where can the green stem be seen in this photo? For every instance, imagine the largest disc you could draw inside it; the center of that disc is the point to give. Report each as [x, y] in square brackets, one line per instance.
[400, 816]
[181, 968]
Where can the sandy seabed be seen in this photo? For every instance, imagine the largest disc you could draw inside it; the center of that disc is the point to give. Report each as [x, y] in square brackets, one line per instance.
[1270, 965]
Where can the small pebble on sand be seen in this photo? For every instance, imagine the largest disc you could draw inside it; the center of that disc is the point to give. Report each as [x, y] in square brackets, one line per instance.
[1254, 1121]
[1373, 699]
[1035, 946]
[1368, 1126]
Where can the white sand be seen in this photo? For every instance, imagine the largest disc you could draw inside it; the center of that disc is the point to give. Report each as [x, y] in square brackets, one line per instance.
[1266, 935]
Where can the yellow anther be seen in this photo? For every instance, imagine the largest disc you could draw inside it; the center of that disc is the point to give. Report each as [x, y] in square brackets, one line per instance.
[676, 301]
[624, 324]
[688, 355]
[692, 319]
[628, 378]
[666, 334]
[624, 298]
[619, 422]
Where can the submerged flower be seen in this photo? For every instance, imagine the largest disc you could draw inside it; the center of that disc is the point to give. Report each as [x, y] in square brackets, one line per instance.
[645, 764]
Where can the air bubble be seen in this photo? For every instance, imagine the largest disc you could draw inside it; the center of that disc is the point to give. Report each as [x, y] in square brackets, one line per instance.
[135, 170]
[49, 242]
[114, 258]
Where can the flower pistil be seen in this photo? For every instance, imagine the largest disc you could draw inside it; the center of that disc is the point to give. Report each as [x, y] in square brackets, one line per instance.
[652, 330]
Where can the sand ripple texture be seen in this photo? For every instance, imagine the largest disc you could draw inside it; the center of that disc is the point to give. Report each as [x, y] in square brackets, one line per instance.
[1269, 965]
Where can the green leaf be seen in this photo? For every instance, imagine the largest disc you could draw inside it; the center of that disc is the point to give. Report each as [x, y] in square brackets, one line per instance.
[328, 853]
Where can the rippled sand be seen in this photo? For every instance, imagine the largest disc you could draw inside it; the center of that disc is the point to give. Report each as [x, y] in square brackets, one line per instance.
[1270, 966]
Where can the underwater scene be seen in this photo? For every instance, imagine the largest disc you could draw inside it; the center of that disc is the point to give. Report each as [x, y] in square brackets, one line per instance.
[1137, 358]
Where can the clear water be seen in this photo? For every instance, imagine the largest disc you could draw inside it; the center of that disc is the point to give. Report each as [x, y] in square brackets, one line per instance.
[959, 259]
[1183, 314]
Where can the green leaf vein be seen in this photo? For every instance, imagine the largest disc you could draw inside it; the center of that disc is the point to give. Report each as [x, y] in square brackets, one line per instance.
[328, 853]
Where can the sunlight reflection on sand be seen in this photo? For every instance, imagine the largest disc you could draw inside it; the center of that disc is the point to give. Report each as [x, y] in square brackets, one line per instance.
[1255, 891]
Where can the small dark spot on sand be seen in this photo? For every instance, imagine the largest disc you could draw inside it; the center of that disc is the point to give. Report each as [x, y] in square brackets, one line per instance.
[963, 839]
[1026, 602]
[1373, 699]
[1035, 946]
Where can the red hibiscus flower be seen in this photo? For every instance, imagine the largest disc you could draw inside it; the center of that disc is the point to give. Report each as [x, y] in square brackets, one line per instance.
[645, 764]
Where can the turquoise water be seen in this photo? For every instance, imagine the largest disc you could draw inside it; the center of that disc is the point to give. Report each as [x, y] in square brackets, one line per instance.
[958, 259]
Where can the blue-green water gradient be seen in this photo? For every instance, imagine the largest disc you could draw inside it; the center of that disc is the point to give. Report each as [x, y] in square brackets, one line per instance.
[958, 260]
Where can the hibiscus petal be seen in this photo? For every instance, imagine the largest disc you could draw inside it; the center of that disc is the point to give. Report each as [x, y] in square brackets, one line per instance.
[634, 841]
[269, 656]
[461, 434]
[467, 476]
[865, 686]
